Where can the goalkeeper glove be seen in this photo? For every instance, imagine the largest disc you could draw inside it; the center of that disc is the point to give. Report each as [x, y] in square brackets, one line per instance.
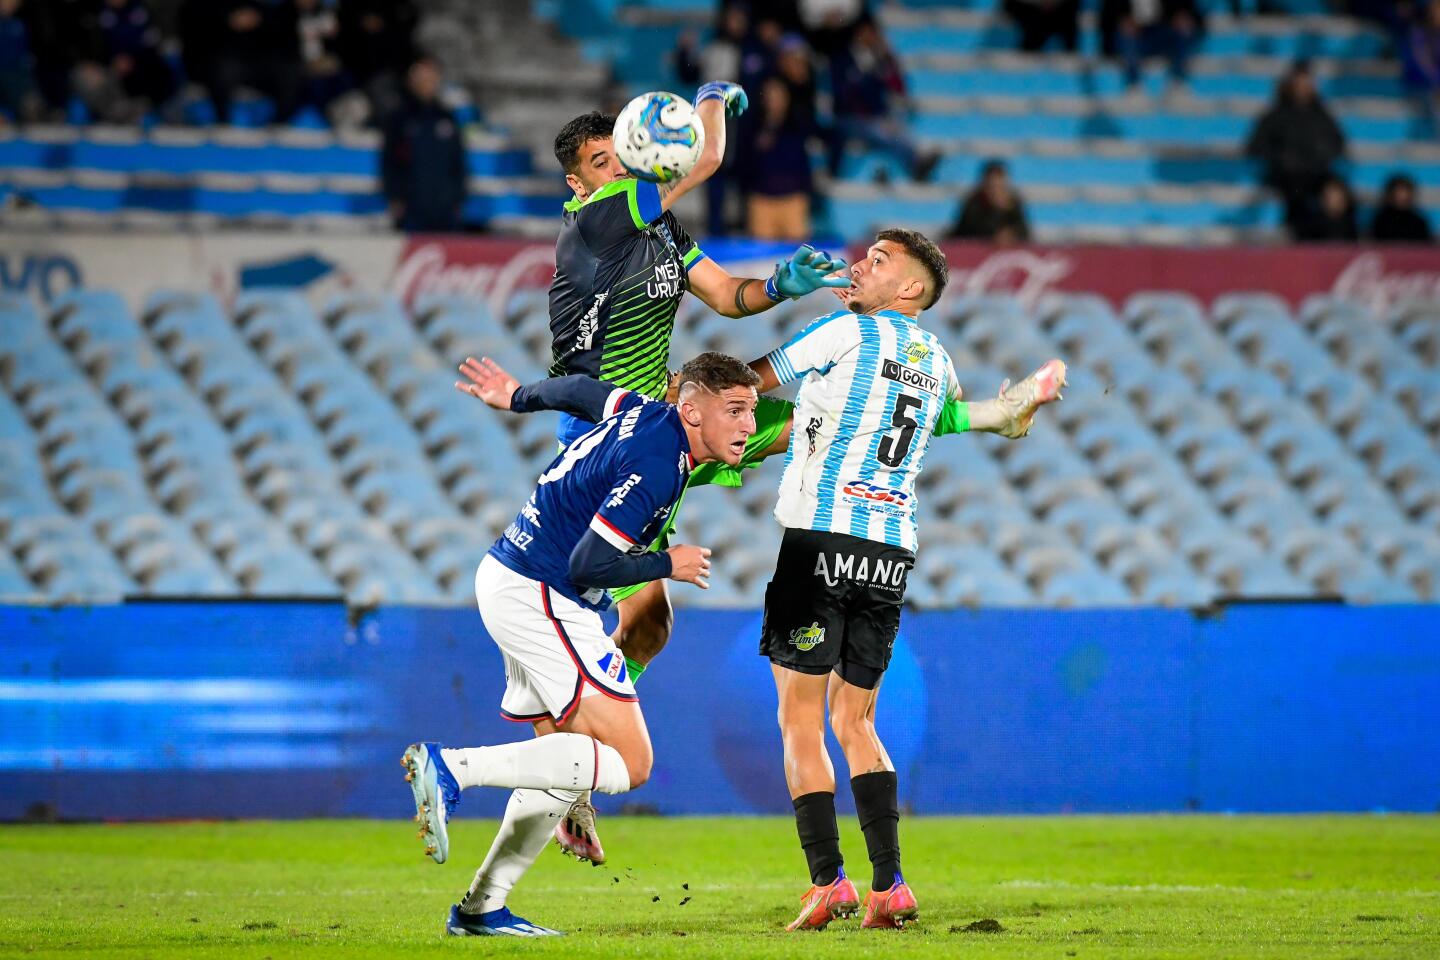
[732, 94]
[805, 272]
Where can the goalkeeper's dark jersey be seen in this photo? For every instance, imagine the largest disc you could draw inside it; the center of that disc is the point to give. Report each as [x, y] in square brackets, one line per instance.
[620, 269]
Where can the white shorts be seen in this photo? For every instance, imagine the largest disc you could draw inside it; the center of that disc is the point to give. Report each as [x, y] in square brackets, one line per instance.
[556, 651]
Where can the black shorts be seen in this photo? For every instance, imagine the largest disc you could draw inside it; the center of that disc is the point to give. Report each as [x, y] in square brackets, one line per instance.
[834, 604]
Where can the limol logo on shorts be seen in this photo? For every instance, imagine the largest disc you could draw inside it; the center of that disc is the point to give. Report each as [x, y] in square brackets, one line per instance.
[808, 638]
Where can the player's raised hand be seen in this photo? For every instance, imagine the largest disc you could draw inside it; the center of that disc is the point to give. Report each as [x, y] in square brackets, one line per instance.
[731, 94]
[806, 271]
[488, 381]
[690, 564]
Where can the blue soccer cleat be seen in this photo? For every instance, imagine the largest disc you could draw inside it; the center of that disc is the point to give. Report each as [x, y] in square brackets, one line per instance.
[436, 795]
[496, 923]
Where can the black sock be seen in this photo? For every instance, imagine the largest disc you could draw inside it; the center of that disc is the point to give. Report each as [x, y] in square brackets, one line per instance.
[878, 808]
[819, 836]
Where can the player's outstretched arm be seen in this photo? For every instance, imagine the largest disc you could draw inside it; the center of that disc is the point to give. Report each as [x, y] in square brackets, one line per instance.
[804, 271]
[577, 394]
[1012, 412]
[714, 102]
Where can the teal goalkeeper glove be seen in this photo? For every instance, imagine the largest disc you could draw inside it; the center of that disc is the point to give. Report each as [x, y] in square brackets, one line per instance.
[805, 272]
[732, 94]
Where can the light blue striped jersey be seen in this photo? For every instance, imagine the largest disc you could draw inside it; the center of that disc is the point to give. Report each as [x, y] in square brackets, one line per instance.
[872, 393]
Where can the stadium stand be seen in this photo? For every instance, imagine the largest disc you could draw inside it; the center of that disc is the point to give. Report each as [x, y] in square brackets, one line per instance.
[1092, 162]
[273, 449]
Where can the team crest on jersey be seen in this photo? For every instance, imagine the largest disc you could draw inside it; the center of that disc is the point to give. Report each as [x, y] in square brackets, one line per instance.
[808, 638]
[613, 666]
[917, 351]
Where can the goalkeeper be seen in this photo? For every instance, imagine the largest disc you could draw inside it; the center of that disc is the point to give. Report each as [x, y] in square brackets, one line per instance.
[623, 262]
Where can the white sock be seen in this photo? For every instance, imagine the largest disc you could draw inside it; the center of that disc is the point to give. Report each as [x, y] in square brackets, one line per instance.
[556, 761]
[530, 819]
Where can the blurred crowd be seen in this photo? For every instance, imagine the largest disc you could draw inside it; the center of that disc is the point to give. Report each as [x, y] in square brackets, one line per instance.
[133, 61]
[820, 73]
[1300, 149]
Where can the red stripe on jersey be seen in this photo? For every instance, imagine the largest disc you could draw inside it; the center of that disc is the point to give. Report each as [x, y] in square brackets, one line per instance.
[614, 529]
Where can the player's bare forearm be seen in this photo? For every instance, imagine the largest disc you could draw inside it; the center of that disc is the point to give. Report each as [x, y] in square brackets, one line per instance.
[727, 295]
[803, 272]
[712, 120]
[769, 379]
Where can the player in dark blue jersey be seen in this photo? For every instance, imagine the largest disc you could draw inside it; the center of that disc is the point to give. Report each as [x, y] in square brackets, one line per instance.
[587, 527]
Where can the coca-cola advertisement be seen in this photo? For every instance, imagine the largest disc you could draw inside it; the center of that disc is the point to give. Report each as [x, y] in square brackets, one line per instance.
[492, 268]
[1377, 276]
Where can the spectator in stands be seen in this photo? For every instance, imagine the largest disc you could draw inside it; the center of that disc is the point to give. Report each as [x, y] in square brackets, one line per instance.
[1419, 45]
[1297, 141]
[1138, 29]
[62, 34]
[1397, 220]
[870, 103]
[993, 211]
[16, 63]
[774, 170]
[1040, 20]
[423, 168]
[377, 46]
[737, 52]
[256, 45]
[829, 25]
[726, 52]
[1332, 219]
[130, 41]
[325, 79]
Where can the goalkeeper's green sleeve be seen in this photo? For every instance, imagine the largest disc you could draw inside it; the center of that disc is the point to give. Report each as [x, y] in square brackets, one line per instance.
[954, 418]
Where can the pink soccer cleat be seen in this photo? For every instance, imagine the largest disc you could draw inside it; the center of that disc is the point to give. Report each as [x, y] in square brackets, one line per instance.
[891, 909]
[575, 833]
[820, 905]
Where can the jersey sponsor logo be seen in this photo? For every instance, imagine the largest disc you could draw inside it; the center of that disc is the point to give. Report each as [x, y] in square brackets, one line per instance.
[518, 537]
[627, 422]
[530, 511]
[887, 499]
[887, 574]
[910, 377]
[617, 495]
[916, 351]
[669, 281]
[585, 338]
[808, 638]
[812, 430]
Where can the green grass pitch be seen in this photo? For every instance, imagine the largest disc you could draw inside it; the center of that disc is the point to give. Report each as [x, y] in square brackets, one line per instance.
[1057, 887]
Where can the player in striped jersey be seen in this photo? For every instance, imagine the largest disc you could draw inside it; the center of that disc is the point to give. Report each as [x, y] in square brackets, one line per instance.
[875, 385]
[919, 366]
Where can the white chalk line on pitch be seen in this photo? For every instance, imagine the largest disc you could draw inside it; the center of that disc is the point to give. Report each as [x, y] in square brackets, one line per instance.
[1213, 888]
[632, 887]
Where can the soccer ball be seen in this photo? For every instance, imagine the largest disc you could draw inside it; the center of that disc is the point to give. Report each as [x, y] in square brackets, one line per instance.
[658, 137]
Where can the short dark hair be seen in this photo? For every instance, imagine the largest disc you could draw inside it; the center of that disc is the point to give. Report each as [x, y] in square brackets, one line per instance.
[578, 132]
[718, 371]
[923, 250]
